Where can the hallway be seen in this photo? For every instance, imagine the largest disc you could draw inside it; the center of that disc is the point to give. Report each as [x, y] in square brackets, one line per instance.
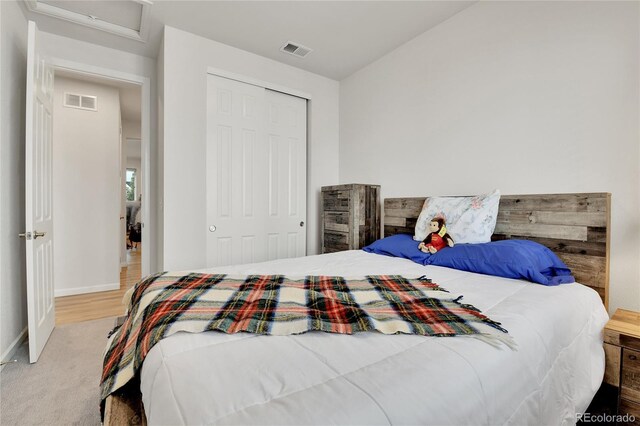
[85, 307]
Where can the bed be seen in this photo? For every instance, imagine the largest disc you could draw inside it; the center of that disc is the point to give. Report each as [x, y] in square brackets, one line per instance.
[370, 378]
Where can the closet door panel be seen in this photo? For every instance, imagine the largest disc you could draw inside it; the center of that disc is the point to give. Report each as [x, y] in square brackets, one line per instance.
[234, 125]
[286, 129]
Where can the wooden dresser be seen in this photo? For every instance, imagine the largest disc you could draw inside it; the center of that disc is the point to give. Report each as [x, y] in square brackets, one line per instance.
[350, 216]
[622, 350]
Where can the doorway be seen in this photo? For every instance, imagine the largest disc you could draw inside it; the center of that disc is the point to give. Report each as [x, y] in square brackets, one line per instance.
[94, 118]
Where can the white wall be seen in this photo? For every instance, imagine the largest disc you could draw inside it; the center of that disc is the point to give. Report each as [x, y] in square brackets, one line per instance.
[131, 129]
[159, 176]
[13, 64]
[186, 58]
[527, 97]
[86, 190]
[64, 48]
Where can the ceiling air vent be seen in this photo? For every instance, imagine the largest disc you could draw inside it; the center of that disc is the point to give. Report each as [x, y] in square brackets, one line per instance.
[296, 49]
[72, 100]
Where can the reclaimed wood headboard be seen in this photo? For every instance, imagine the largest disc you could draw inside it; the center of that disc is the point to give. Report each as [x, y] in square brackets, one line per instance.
[575, 226]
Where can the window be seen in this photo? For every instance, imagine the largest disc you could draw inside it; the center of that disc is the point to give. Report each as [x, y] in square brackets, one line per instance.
[130, 184]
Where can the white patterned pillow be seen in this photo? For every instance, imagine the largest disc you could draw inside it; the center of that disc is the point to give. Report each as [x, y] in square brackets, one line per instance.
[468, 219]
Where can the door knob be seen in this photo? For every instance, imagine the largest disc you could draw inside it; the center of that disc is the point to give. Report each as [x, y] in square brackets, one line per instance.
[29, 235]
[212, 228]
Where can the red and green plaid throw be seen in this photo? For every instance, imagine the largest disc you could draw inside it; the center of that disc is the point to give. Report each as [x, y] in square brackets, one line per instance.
[163, 304]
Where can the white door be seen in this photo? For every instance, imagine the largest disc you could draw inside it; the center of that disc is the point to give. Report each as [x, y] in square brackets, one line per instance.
[38, 193]
[286, 142]
[256, 173]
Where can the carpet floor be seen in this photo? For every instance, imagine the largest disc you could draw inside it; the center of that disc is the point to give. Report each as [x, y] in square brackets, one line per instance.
[62, 387]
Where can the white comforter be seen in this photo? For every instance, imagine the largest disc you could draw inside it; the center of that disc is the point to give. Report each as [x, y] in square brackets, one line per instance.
[369, 378]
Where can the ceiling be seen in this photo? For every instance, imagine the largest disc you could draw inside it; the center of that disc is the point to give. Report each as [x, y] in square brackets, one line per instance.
[345, 35]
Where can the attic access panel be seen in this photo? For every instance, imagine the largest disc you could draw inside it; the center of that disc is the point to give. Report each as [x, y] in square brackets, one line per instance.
[127, 18]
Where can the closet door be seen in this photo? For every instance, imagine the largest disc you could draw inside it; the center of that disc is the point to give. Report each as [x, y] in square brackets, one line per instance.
[286, 140]
[256, 173]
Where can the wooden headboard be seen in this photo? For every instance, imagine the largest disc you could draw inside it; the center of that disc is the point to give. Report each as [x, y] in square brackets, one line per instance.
[575, 226]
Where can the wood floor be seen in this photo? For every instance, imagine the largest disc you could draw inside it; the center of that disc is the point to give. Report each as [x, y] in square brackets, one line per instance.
[86, 307]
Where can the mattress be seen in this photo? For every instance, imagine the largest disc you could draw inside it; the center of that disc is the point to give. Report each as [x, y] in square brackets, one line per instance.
[370, 378]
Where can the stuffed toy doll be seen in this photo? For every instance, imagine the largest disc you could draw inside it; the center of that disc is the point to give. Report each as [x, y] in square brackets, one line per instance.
[438, 238]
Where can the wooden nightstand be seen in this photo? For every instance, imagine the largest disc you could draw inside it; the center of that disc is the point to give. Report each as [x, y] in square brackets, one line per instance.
[350, 216]
[622, 351]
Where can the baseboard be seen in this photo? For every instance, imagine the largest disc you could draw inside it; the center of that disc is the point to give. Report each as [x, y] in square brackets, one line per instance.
[124, 264]
[13, 347]
[84, 290]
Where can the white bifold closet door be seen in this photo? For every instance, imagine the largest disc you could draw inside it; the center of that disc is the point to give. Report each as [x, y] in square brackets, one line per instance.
[256, 173]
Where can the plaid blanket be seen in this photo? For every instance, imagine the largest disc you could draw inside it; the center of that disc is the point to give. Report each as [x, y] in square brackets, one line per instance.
[163, 304]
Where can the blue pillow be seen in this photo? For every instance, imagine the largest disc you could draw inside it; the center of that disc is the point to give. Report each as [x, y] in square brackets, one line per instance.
[520, 259]
[400, 245]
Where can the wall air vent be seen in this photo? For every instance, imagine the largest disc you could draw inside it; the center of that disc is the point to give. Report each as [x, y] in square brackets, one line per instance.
[296, 49]
[86, 102]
